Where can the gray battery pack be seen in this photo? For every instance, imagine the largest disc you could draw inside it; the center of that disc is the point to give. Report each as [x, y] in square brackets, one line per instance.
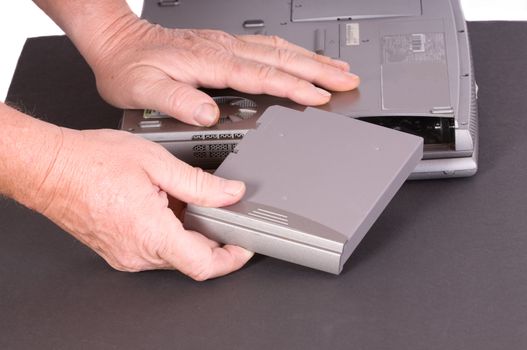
[316, 182]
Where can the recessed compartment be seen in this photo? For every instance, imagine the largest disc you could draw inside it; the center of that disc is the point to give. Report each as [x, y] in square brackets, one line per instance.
[316, 10]
[438, 132]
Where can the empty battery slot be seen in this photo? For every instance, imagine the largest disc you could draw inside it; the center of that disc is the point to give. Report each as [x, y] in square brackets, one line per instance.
[437, 132]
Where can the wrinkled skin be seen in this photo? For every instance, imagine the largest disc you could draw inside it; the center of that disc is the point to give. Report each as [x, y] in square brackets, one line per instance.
[111, 190]
[161, 68]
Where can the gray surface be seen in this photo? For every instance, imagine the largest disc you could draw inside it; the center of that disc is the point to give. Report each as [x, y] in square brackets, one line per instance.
[316, 183]
[310, 10]
[451, 276]
[382, 51]
[396, 80]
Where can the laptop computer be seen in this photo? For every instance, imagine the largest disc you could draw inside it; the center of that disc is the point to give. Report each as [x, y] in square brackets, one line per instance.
[413, 57]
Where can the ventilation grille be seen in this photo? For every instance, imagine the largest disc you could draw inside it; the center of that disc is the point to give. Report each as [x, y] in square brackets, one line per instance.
[235, 109]
[215, 151]
[225, 136]
[473, 120]
[270, 216]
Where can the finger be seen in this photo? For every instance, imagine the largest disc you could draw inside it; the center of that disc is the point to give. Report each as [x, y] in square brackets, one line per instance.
[189, 184]
[300, 66]
[279, 43]
[197, 256]
[179, 100]
[258, 78]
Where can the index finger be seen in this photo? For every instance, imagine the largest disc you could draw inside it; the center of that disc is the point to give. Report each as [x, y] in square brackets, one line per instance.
[299, 65]
[279, 43]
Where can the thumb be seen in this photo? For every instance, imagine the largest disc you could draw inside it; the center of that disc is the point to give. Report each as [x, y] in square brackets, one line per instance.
[180, 101]
[193, 185]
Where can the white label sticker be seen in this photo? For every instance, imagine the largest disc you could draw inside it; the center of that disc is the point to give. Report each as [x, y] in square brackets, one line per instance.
[418, 42]
[352, 34]
[151, 113]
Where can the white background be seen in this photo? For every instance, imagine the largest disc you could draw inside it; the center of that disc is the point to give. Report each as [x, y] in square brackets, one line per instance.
[20, 19]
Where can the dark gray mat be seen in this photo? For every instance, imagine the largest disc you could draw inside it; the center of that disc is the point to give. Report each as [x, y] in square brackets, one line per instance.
[443, 268]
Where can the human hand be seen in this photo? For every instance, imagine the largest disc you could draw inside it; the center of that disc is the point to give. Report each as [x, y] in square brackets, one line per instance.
[109, 190]
[141, 65]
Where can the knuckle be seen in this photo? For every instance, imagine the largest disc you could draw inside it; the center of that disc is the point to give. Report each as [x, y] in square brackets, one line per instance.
[234, 67]
[136, 93]
[206, 50]
[278, 41]
[156, 151]
[222, 37]
[156, 159]
[199, 270]
[179, 97]
[158, 245]
[198, 183]
[217, 39]
[265, 72]
[285, 57]
[199, 277]
[187, 34]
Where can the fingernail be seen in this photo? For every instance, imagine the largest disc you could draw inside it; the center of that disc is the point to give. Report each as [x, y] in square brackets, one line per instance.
[354, 76]
[206, 114]
[248, 254]
[233, 188]
[322, 92]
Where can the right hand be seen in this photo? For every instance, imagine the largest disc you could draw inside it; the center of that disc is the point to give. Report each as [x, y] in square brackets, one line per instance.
[110, 190]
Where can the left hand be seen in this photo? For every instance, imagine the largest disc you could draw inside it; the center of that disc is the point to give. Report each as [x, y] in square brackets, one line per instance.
[141, 65]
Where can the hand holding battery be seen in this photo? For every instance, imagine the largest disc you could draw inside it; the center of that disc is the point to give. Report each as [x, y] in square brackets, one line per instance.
[145, 66]
[115, 200]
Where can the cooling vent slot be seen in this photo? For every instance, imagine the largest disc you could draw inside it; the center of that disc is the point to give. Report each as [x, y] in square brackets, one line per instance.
[270, 216]
[219, 147]
[199, 148]
[213, 151]
[219, 154]
[473, 126]
[235, 109]
[473, 121]
[200, 155]
[208, 137]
